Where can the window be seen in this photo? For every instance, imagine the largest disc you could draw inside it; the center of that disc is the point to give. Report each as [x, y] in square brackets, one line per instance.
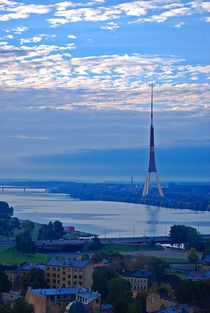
[69, 276]
[58, 281]
[80, 276]
[64, 278]
[48, 274]
[75, 276]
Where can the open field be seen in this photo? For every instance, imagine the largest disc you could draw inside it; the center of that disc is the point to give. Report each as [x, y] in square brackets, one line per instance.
[11, 256]
[128, 248]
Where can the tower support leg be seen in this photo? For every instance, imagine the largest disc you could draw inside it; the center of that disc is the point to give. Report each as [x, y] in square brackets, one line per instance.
[159, 185]
[146, 185]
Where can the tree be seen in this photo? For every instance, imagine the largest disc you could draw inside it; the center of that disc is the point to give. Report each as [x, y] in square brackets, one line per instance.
[34, 278]
[21, 306]
[119, 292]
[192, 255]
[184, 234]
[51, 231]
[101, 277]
[58, 230]
[3, 309]
[5, 284]
[5, 210]
[157, 266]
[193, 292]
[28, 225]
[24, 243]
[135, 307]
[94, 244]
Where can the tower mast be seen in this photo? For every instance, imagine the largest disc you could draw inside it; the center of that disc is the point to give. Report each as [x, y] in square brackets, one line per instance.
[152, 164]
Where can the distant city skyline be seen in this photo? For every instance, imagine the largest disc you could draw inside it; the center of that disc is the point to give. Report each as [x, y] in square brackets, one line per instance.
[75, 89]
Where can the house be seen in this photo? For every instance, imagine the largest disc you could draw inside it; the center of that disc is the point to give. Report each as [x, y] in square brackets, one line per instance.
[199, 275]
[140, 280]
[56, 300]
[61, 273]
[206, 260]
[106, 308]
[8, 298]
[13, 274]
[174, 309]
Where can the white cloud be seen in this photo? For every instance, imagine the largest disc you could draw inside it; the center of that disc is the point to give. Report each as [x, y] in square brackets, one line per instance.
[110, 26]
[179, 25]
[15, 10]
[71, 36]
[34, 39]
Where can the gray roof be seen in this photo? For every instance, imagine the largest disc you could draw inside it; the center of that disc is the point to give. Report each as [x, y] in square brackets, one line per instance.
[137, 274]
[30, 266]
[68, 263]
[174, 309]
[85, 293]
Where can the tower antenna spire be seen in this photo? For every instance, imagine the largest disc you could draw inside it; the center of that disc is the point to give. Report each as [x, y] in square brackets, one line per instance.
[152, 164]
[152, 103]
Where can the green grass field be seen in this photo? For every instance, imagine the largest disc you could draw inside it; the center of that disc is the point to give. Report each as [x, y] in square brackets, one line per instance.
[11, 256]
[176, 260]
[128, 248]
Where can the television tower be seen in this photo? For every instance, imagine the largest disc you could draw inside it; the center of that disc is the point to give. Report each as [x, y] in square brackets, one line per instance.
[151, 164]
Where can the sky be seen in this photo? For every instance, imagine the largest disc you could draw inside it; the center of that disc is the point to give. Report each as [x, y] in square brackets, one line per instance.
[75, 81]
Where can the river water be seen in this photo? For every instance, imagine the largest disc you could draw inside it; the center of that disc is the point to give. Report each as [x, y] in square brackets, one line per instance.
[100, 217]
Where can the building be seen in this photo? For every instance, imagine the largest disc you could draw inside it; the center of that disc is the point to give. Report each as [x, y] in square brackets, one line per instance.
[174, 309]
[57, 300]
[199, 275]
[106, 308]
[140, 280]
[26, 267]
[61, 273]
[13, 274]
[8, 298]
[155, 302]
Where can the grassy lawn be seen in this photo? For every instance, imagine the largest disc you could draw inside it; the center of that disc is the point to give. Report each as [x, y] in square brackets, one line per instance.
[11, 256]
[128, 248]
[176, 260]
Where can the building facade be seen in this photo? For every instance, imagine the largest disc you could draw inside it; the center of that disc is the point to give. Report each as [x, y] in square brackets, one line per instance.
[64, 273]
[52, 300]
[140, 280]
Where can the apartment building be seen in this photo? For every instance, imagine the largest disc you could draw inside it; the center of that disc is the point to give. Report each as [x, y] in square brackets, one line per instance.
[64, 273]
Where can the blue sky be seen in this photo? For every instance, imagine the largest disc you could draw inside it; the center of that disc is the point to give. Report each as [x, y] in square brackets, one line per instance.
[75, 88]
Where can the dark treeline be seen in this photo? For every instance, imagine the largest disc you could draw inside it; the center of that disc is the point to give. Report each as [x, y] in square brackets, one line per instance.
[195, 196]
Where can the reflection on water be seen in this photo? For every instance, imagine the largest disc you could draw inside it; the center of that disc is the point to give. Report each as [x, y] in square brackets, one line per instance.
[100, 217]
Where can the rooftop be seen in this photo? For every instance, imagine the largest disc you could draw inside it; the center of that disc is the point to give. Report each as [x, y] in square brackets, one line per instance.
[174, 309]
[85, 293]
[206, 259]
[106, 307]
[30, 266]
[137, 274]
[67, 262]
[199, 275]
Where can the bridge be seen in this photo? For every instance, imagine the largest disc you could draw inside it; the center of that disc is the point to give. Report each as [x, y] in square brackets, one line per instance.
[24, 188]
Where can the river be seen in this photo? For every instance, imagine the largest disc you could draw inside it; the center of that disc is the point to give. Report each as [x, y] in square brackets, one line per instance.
[100, 217]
